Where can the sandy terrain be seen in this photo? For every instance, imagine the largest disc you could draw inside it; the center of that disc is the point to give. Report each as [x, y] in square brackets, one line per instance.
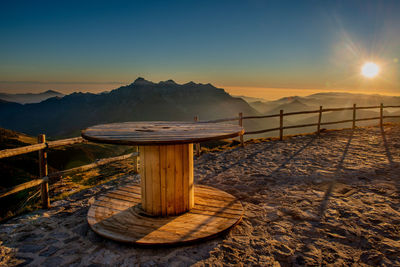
[329, 200]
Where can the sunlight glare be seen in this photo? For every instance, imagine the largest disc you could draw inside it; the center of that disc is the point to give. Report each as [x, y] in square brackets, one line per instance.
[370, 70]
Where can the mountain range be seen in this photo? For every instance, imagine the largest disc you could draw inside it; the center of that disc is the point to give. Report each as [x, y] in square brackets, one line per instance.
[145, 100]
[29, 97]
[327, 100]
[140, 101]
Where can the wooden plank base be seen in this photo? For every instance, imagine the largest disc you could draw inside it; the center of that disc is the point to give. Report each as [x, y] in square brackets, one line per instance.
[119, 216]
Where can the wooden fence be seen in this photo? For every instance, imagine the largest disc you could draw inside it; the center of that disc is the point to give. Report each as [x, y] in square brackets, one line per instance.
[44, 176]
[43, 145]
[318, 123]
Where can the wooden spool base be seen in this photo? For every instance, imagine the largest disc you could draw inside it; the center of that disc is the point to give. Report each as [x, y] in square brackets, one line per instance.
[118, 216]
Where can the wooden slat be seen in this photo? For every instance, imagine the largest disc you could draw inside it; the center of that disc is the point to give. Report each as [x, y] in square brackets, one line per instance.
[368, 119]
[369, 107]
[170, 181]
[43, 172]
[23, 186]
[129, 191]
[300, 126]
[149, 181]
[261, 117]
[163, 178]
[179, 179]
[262, 131]
[185, 175]
[391, 106]
[64, 142]
[142, 154]
[21, 150]
[191, 177]
[337, 109]
[155, 172]
[124, 194]
[300, 112]
[319, 120]
[196, 119]
[133, 188]
[335, 122]
[391, 116]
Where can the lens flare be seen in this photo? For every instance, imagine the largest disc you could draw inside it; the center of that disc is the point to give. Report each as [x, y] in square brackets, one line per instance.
[370, 70]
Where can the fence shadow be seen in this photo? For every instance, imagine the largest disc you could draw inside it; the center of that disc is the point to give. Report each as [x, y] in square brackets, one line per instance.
[283, 165]
[387, 150]
[225, 168]
[331, 186]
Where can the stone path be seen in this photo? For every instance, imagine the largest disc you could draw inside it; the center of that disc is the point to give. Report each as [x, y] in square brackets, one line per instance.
[309, 200]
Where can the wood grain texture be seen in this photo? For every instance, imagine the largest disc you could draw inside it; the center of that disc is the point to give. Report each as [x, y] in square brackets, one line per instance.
[166, 132]
[167, 179]
[43, 172]
[23, 186]
[118, 215]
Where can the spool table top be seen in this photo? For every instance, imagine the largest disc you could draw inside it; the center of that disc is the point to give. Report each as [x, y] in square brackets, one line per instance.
[160, 132]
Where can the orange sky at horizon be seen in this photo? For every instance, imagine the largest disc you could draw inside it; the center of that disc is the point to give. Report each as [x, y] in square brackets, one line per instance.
[268, 93]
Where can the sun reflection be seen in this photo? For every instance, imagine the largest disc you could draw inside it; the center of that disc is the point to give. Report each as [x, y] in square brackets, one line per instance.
[370, 70]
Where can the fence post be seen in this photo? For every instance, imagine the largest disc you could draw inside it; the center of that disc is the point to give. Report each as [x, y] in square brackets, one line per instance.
[241, 125]
[281, 125]
[196, 119]
[319, 120]
[354, 116]
[381, 116]
[43, 171]
[135, 160]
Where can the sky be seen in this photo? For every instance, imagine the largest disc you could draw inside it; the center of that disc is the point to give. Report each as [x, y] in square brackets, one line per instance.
[257, 48]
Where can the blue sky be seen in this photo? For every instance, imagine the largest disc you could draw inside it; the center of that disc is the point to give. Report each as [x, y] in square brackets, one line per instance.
[263, 44]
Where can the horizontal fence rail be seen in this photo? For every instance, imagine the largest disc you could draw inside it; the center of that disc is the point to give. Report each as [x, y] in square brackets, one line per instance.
[44, 176]
[318, 123]
[36, 147]
[44, 145]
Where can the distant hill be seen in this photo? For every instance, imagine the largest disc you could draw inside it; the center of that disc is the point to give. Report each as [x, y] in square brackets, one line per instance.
[290, 106]
[30, 98]
[327, 100]
[140, 101]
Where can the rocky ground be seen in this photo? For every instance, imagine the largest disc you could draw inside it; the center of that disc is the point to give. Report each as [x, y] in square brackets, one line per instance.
[328, 200]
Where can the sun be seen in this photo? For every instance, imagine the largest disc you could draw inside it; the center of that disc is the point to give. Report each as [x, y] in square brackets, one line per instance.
[370, 70]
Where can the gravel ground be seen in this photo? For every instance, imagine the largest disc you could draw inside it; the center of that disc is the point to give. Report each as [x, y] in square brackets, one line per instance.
[328, 200]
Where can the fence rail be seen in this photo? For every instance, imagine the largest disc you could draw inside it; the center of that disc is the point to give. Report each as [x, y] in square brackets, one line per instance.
[44, 145]
[44, 176]
[318, 123]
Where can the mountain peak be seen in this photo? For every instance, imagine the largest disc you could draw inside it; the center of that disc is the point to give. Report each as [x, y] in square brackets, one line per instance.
[141, 81]
[172, 82]
[52, 92]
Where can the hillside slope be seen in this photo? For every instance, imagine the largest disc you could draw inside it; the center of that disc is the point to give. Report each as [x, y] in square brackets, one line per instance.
[22, 168]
